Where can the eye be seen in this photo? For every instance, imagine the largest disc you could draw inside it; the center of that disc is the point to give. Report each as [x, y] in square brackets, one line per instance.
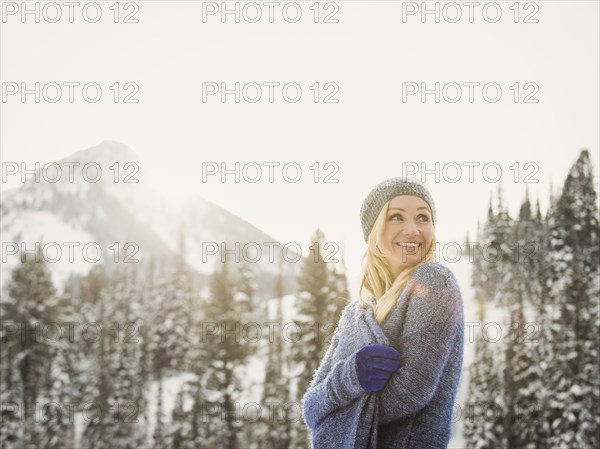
[395, 217]
[424, 217]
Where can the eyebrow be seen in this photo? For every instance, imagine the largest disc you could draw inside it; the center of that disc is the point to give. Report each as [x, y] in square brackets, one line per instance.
[418, 208]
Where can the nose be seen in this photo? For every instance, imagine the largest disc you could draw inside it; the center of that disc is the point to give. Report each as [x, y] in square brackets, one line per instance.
[411, 228]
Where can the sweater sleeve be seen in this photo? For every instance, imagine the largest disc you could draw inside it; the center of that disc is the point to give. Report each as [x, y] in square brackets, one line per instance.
[332, 387]
[434, 321]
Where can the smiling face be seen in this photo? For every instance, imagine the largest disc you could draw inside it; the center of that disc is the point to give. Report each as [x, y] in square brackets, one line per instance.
[408, 232]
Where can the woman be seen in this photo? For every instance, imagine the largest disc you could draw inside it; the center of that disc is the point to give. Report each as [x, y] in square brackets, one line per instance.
[390, 375]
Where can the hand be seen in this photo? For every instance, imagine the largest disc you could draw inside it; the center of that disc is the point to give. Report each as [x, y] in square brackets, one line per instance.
[375, 364]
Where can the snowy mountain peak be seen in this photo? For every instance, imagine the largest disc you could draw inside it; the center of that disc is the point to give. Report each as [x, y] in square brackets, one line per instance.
[106, 153]
[119, 208]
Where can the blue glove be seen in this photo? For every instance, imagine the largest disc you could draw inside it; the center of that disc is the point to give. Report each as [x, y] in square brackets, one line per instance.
[375, 364]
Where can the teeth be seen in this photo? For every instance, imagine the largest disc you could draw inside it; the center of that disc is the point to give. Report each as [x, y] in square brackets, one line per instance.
[409, 245]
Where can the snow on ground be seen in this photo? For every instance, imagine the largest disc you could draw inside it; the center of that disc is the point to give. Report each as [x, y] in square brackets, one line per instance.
[60, 241]
[171, 386]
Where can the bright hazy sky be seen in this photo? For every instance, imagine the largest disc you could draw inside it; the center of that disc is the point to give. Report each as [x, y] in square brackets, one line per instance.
[374, 53]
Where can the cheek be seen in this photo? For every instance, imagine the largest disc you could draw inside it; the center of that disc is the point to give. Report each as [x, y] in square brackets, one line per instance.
[428, 233]
[389, 235]
[389, 230]
[429, 236]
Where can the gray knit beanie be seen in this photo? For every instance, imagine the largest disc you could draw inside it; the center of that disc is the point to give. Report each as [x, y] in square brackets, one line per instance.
[386, 190]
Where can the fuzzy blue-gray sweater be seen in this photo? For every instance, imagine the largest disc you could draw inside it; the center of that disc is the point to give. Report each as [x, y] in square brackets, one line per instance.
[414, 409]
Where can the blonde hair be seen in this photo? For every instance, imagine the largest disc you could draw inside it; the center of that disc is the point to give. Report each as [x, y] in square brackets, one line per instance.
[377, 279]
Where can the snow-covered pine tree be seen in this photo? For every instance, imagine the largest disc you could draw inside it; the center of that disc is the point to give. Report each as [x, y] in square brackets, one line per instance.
[115, 419]
[227, 351]
[579, 213]
[169, 323]
[499, 257]
[572, 400]
[478, 280]
[484, 410]
[315, 291]
[169, 298]
[487, 254]
[89, 365]
[565, 398]
[172, 325]
[276, 392]
[128, 427]
[180, 431]
[249, 310]
[586, 381]
[158, 436]
[30, 306]
[322, 294]
[191, 430]
[522, 375]
[145, 374]
[96, 432]
[188, 429]
[11, 423]
[57, 414]
[545, 313]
